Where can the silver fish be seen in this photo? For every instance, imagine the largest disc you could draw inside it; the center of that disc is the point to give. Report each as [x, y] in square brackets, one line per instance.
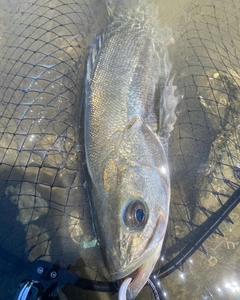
[129, 113]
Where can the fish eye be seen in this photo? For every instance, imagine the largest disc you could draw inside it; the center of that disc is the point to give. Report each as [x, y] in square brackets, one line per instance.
[136, 215]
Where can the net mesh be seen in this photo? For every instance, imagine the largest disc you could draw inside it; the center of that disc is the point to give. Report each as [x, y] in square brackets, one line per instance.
[44, 208]
[205, 143]
[204, 150]
[44, 212]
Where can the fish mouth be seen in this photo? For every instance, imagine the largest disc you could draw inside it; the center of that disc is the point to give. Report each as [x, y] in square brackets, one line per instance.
[142, 272]
[140, 277]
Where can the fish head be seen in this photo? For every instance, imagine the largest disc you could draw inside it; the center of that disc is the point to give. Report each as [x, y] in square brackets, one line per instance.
[135, 205]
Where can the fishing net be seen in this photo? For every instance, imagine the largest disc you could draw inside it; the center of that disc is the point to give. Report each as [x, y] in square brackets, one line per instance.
[204, 151]
[44, 210]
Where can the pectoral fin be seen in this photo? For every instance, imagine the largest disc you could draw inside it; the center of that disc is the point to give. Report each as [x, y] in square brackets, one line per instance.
[144, 140]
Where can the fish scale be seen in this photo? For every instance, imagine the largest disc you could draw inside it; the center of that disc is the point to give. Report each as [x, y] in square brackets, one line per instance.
[125, 83]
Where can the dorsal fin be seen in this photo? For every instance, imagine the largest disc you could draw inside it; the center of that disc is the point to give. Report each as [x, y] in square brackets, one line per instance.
[92, 59]
[218, 231]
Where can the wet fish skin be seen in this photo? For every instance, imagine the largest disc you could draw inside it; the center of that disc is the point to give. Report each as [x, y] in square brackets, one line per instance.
[129, 112]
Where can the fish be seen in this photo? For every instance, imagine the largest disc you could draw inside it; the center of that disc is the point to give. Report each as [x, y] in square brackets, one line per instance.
[129, 112]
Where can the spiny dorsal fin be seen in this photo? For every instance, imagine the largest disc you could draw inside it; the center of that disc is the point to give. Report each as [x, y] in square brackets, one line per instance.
[93, 54]
[228, 220]
[202, 249]
[218, 231]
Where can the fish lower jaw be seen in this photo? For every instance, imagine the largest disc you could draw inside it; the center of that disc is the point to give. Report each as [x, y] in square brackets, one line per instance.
[138, 281]
[139, 274]
[130, 269]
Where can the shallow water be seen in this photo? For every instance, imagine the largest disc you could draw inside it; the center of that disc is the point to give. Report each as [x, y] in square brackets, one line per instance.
[203, 151]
